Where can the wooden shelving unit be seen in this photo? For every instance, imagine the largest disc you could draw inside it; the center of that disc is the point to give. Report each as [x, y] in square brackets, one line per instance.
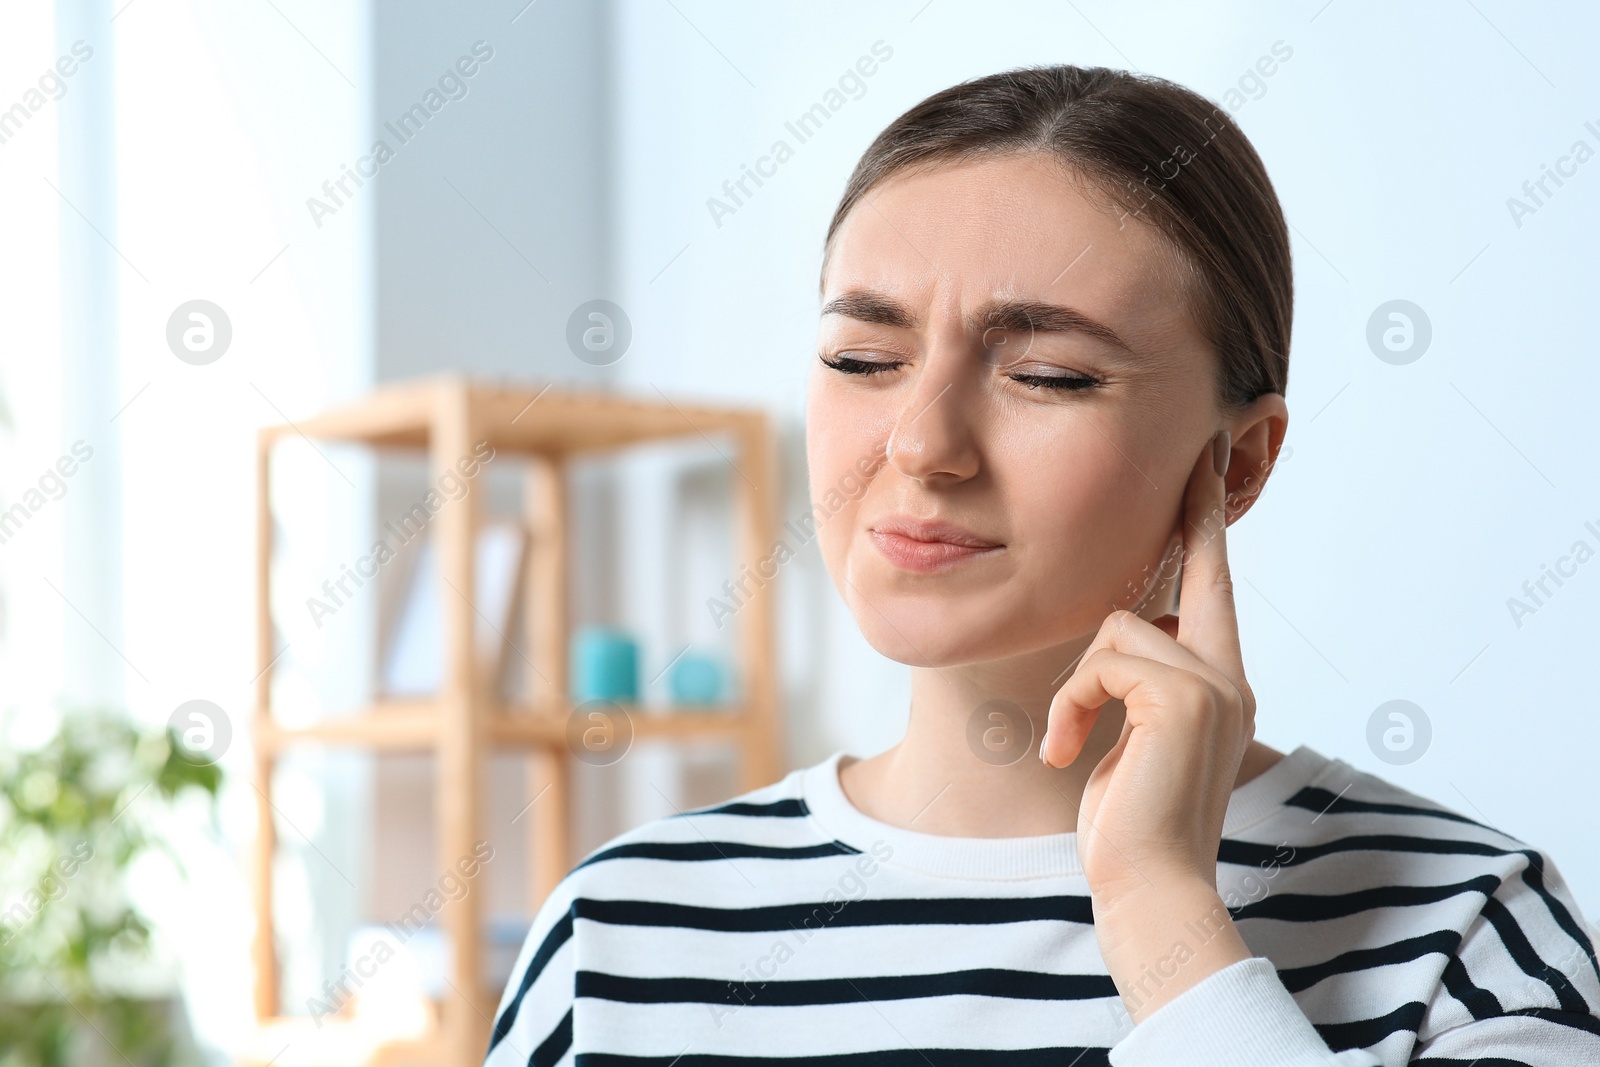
[445, 418]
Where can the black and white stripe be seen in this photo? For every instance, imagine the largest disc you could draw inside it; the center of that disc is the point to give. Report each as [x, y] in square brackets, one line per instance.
[786, 928]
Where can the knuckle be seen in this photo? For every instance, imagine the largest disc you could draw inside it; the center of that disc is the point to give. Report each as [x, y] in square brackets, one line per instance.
[1223, 580]
[1214, 704]
[1225, 700]
[1201, 696]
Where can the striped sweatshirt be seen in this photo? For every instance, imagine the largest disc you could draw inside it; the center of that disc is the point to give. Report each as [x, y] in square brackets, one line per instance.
[787, 928]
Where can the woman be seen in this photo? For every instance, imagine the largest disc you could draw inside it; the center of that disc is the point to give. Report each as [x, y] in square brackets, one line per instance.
[1056, 307]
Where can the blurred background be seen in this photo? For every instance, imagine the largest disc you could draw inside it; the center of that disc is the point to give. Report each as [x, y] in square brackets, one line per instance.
[224, 216]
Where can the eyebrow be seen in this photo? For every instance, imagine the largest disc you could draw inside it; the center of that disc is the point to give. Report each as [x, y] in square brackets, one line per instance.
[1016, 316]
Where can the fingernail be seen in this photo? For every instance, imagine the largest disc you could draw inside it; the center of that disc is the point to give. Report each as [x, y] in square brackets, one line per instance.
[1221, 451]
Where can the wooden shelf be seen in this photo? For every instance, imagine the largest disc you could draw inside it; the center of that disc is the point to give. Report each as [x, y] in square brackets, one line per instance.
[398, 726]
[540, 428]
[547, 421]
[416, 726]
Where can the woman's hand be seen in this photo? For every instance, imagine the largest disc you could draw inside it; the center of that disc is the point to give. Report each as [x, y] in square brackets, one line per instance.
[1152, 811]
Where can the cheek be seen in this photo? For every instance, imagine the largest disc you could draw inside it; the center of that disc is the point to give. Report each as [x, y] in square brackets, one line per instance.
[1102, 494]
[1089, 528]
[824, 455]
[841, 449]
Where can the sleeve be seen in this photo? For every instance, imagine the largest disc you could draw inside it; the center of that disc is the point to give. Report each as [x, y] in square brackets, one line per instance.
[1522, 989]
[533, 1024]
[1240, 1014]
[1523, 986]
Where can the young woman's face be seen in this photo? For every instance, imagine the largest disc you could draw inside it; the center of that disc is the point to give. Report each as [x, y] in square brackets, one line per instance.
[1079, 484]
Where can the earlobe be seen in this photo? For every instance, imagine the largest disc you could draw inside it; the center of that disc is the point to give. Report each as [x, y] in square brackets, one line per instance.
[1235, 503]
[1258, 438]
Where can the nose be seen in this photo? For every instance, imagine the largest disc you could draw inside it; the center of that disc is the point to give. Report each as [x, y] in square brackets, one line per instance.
[932, 439]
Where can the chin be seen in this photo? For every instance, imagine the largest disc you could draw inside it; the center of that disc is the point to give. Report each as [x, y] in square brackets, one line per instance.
[932, 630]
[923, 649]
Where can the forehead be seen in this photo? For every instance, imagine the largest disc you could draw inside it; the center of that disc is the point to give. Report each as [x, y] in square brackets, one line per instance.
[957, 234]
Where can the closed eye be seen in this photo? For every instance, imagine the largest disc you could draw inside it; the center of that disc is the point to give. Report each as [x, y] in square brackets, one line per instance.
[1070, 382]
[856, 366]
[1063, 382]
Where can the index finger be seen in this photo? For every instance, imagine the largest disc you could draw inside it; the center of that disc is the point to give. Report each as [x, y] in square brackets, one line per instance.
[1207, 623]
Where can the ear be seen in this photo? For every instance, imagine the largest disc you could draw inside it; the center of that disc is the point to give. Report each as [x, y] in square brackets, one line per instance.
[1257, 432]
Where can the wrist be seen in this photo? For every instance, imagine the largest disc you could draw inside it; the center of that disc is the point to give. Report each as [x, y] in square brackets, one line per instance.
[1161, 938]
[1153, 888]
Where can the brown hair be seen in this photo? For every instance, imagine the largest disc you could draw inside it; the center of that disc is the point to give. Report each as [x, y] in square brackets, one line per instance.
[1159, 151]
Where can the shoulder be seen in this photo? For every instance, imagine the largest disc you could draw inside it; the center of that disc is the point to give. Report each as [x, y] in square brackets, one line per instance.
[1341, 808]
[768, 822]
[1354, 873]
[1361, 829]
[659, 869]
[1347, 840]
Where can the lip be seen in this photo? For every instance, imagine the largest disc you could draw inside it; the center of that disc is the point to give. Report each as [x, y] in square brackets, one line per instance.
[926, 546]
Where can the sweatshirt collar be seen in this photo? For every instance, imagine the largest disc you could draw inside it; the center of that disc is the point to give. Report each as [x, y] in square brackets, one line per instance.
[1003, 858]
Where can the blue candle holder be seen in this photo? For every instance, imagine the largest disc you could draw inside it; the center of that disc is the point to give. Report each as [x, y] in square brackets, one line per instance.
[696, 679]
[605, 665]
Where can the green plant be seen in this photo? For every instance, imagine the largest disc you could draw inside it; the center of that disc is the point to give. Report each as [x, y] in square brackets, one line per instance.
[75, 814]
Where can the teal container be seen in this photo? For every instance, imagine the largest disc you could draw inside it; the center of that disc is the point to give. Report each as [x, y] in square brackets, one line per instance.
[605, 665]
[696, 679]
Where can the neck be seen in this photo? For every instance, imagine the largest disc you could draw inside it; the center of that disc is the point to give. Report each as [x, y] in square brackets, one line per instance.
[968, 764]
